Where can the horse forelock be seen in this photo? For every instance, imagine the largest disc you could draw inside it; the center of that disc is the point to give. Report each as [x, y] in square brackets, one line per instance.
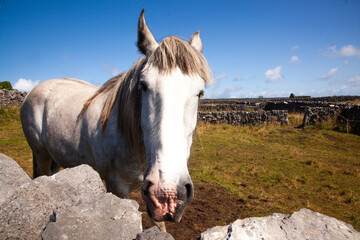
[174, 52]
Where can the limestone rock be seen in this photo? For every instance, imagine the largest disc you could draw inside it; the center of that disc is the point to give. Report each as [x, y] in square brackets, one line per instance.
[153, 233]
[11, 177]
[304, 224]
[25, 214]
[108, 217]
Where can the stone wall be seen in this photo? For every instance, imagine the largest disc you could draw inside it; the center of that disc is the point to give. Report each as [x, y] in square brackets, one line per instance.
[297, 104]
[222, 107]
[244, 118]
[346, 116]
[11, 97]
[350, 117]
[315, 115]
[301, 106]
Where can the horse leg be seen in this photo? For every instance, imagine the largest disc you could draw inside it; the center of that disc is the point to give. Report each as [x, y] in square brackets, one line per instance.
[116, 185]
[160, 225]
[41, 163]
[55, 167]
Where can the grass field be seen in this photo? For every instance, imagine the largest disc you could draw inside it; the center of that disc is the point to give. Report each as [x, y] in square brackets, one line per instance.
[271, 168]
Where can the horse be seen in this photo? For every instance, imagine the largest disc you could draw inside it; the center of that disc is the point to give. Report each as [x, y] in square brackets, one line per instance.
[135, 130]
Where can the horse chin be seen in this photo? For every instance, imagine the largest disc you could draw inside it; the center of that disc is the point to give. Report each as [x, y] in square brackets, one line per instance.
[159, 216]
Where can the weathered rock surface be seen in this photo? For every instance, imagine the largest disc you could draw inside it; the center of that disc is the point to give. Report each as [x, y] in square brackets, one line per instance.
[26, 213]
[304, 224]
[108, 217]
[12, 177]
[153, 233]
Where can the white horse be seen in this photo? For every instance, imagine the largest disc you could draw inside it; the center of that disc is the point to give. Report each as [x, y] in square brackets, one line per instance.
[135, 129]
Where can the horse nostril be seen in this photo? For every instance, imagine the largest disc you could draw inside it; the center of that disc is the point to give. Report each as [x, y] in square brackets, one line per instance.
[146, 187]
[189, 191]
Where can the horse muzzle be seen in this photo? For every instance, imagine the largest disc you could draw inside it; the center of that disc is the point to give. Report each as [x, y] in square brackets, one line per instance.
[167, 203]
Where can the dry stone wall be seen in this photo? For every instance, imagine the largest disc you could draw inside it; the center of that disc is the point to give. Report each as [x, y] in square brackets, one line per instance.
[11, 97]
[350, 117]
[297, 104]
[244, 118]
[316, 115]
[347, 116]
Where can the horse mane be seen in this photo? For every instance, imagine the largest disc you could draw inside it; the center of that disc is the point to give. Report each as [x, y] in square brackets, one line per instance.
[171, 53]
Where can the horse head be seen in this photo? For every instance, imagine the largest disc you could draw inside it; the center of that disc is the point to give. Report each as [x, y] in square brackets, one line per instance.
[171, 82]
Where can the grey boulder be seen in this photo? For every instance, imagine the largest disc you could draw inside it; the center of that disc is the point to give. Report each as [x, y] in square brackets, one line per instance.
[304, 224]
[108, 217]
[26, 213]
[12, 177]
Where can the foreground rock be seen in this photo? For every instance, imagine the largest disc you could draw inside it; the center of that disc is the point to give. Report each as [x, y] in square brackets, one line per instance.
[72, 204]
[12, 177]
[304, 224]
[108, 217]
[26, 213]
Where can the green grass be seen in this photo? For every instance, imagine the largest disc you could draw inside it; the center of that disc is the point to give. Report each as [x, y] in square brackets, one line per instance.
[281, 168]
[271, 168]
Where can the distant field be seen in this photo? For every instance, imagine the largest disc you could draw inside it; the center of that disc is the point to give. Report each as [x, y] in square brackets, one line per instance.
[269, 168]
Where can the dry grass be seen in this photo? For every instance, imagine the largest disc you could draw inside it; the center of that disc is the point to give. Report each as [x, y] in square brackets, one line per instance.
[12, 139]
[271, 168]
[356, 101]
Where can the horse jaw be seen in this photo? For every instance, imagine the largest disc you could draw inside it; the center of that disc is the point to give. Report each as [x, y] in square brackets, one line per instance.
[168, 119]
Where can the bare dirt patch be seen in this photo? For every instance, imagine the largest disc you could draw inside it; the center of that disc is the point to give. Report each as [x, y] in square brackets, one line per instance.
[212, 205]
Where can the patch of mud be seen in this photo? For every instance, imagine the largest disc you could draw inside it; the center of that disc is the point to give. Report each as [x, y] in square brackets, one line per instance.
[212, 205]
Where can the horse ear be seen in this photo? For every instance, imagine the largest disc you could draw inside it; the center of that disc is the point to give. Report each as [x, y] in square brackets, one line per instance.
[146, 41]
[195, 41]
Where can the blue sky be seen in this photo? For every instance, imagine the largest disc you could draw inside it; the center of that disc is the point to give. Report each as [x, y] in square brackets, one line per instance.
[255, 48]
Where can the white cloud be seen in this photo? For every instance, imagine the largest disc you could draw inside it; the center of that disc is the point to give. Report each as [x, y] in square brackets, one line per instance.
[349, 51]
[273, 75]
[345, 51]
[294, 59]
[24, 85]
[219, 77]
[331, 73]
[355, 81]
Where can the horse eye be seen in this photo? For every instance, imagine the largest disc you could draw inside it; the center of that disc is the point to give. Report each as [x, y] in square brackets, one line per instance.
[144, 86]
[201, 94]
